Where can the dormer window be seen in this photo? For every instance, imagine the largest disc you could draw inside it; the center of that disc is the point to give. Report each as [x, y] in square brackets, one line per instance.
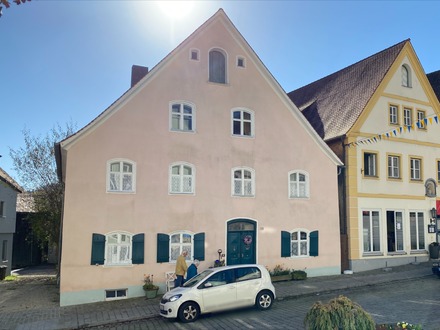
[406, 76]
[217, 66]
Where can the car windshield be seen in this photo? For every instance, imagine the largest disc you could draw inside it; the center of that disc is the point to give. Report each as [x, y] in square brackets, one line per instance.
[198, 278]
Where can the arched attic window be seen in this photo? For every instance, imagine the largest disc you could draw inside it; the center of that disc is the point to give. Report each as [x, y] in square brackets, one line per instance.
[217, 66]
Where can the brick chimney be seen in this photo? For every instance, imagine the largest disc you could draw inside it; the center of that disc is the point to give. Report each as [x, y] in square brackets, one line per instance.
[137, 73]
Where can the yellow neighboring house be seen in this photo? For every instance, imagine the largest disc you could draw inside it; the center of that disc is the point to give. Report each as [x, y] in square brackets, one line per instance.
[381, 117]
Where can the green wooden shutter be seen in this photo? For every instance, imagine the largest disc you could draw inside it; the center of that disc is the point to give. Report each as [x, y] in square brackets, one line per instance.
[163, 248]
[285, 244]
[199, 246]
[137, 256]
[98, 249]
[314, 244]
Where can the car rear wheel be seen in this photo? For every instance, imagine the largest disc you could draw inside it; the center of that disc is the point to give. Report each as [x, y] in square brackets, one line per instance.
[189, 312]
[264, 300]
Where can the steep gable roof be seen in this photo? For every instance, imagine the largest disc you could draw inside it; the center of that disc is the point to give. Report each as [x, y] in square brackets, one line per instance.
[434, 80]
[334, 103]
[10, 181]
[220, 15]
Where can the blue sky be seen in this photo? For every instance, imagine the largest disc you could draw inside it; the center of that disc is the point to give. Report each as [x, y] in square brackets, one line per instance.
[67, 61]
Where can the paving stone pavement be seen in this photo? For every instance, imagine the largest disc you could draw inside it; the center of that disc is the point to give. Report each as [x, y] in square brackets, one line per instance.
[32, 302]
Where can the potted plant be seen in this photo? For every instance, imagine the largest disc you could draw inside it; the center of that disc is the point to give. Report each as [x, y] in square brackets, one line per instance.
[149, 287]
[279, 273]
[298, 275]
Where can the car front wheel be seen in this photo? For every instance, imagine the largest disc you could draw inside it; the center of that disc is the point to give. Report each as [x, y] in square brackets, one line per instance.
[264, 300]
[189, 312]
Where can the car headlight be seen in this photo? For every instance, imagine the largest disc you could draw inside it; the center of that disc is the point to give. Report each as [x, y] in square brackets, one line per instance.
[174, 298]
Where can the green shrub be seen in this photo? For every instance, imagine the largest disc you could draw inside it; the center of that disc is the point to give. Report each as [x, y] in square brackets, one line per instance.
[11, 278]
[338, 313]
[299, 275]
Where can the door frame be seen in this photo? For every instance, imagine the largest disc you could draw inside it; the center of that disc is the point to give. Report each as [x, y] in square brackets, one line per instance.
[255, 231]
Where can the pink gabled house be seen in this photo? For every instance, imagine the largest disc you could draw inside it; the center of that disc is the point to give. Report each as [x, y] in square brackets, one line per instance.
[205, 153]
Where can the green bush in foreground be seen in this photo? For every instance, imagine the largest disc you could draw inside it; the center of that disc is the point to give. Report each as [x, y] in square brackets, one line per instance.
[338, 313]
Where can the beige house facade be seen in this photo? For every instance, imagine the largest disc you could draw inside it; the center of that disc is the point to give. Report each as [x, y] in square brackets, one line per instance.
[383, 122]
[206, 153]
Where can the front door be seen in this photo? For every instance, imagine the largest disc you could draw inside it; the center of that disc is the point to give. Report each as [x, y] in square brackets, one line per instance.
[241, 242]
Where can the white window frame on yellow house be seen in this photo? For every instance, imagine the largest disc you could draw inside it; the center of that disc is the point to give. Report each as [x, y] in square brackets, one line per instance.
[406, 76]
[399, 167]
[393, 118]
[437, 161]
[413, 160]
[407, 116]
[421, 119]
[366, 172]
[417, 230]
[373, 232]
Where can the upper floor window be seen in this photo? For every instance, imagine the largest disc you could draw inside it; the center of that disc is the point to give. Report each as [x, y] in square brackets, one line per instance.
[438, 170]
[243, 182]
[421, 114]
[415, 169]
[241, 62]
[394, 114]
[217, 66]
[121, 176]
[298, 184]
[407, 116]
[182, 178]
[370, 164]
[393, 167]
[194, 54]
[406, 76]
[242, 123]
[182, 117]
[2, 208]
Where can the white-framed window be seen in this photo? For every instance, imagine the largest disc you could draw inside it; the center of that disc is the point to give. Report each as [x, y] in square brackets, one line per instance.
[181, 241]
[118, 249]
[371, 230]
[242, 122]
[299, 243]
[415, 169]
[194, 54]
[407, 116]
[217, 66]
[421, 114]
[417, 230]
[2, 209]
[406, 76]
[394, 114]
[243, 182]
[299, 184]
[241, 62]
[182, 178]
[182, 117]
[393, 167]
[115, 294]
[121, 175]
[370, 164]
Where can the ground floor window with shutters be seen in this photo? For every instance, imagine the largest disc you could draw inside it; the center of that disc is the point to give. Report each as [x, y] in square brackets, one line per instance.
[299, 243]
[170, 246]
[117, 248]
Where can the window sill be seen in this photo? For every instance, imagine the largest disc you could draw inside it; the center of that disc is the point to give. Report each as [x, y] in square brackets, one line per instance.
[397, 253]
[372, 254]
[116, 265]
[244, 196]
[122, 192]
[416, 181]
[418, 252]
[371, 177]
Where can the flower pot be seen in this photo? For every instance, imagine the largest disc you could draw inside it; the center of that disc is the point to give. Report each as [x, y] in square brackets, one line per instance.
[151, 293]
[279, 278]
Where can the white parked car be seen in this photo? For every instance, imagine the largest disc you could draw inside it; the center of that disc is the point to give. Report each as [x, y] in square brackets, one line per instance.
[218, 289]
